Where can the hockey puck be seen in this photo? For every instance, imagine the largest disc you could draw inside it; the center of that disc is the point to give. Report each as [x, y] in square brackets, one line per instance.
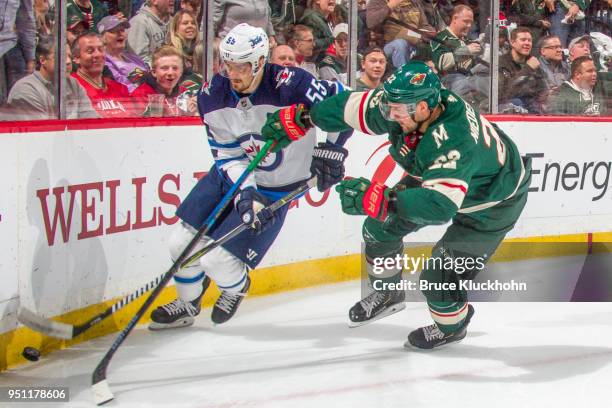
[30, 353]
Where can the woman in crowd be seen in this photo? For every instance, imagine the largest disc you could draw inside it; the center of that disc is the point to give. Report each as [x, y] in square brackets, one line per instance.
[162, 94]
[125, 67]
[183, 35]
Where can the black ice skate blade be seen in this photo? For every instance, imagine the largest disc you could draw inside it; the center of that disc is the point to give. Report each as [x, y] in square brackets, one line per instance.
[391, 310]
[185, 322]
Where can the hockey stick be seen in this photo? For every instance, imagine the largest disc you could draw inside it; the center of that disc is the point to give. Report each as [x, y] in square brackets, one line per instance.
[68, 331]
[310, 183]
[99, 385]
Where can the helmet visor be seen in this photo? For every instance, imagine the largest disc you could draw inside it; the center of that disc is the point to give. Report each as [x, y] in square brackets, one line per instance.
[236, 68]
[394, 111]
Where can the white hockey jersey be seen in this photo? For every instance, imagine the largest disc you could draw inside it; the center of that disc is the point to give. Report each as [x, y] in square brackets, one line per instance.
[233, 124]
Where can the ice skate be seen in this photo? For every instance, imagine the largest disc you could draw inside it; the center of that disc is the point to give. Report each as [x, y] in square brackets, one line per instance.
[178, 313]
[430, 337]
[376, 305]
[227, 304]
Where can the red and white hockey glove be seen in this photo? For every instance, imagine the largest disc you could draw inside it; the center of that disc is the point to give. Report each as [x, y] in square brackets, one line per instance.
[362, 197]
[286, 125]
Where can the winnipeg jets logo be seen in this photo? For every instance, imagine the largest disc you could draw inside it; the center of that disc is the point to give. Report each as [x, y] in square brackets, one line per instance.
[255, 40]
[418, 79]
[284, 78]
[252, 144]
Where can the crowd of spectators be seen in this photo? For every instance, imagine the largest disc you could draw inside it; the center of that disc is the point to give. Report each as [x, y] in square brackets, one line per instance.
[144, 57]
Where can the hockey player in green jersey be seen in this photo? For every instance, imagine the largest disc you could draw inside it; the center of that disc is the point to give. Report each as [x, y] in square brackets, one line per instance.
[460, 169]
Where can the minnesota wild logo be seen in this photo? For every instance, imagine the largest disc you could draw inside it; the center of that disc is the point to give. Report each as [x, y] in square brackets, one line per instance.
[418, 79]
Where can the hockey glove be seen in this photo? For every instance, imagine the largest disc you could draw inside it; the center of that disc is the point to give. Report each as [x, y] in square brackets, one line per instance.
[328, 164]
[251, 206]
[286, 125]
[362, 197]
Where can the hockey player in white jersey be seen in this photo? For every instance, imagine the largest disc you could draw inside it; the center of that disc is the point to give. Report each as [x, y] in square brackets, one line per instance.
[234, 107]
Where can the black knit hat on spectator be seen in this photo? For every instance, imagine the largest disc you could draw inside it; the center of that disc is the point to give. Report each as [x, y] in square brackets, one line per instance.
[111, 22]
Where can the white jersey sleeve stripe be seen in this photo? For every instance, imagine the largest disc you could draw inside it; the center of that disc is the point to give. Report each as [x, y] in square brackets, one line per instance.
[453, 189]
[355, 109]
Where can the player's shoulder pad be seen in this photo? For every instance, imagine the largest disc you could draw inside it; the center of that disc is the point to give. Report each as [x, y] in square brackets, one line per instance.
[457, 128]
[288, 77]
[211, 95]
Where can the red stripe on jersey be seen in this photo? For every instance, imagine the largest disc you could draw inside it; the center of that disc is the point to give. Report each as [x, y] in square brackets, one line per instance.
[362, 123]
[449, 314]
[462, 188]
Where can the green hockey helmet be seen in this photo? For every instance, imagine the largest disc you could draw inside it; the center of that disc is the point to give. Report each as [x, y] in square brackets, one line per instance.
[410, 84]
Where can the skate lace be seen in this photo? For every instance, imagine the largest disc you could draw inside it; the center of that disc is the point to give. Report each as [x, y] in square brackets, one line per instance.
[432, 333]
[371, 301]
[227, 300]
[178, 305]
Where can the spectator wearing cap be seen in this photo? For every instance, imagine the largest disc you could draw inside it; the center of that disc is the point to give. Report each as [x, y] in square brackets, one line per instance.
[334, 64]
[148, 28]
[17, 43]
[32, 97]
[125, 67]
[400, 41]
[373, 66]
[183, 35]
[301, 40]
[283, 55]
[108, 97]
[88, 11]
[556, 70]
[578, 95]
[164, 79]
[229, 13]
[322, 16]
[581, 47]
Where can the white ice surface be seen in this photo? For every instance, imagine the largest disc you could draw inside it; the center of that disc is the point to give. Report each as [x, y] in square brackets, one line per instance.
[295, 350]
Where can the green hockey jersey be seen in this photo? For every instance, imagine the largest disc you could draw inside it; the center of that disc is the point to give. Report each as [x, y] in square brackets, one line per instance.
[465, 163]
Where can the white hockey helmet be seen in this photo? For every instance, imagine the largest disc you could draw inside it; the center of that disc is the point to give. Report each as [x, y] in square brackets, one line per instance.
[245, 43]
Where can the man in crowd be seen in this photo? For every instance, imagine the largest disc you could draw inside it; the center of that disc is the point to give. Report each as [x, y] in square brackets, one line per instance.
[108, 97]
[521, 81]
[17, 43]
[556, 70]
[301, 40]
[454, 56]
[148, 29]
[283, 55]
[333, 66]
[373, 68]
[32, 97]
[400, 41]
[578, 96]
